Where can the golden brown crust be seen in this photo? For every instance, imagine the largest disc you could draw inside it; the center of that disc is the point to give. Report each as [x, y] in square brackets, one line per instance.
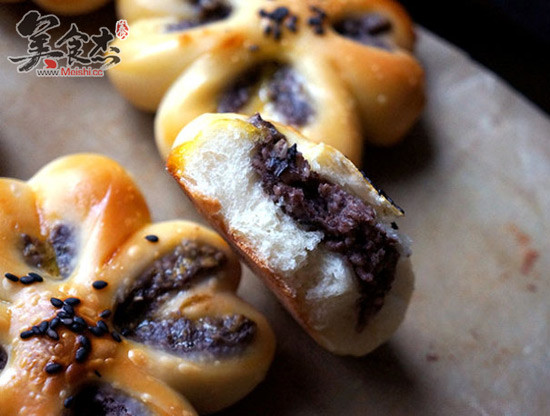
[97, 198]
[356, 91]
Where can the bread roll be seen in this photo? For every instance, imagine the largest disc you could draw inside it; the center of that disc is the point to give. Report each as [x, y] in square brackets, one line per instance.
[325, 242]
[341, 71]
[103, 311]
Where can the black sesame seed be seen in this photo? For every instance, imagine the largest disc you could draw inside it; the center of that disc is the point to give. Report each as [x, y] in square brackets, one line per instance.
[314, 21]
[78, 328]
[67, 321]
[53, 368]
[36, 330]
[98, 332]
[69, 309]
[43, 326]
[102, 325]
[52, 334]
[54, 323]
[26, 334]
[27, 280]
[116, 336]
[79, 320]
[291, 24]
[279, 14]
[36, 277]
[99, 284]
[318, 10]
[317, 21]
[152, 238]
[72, 301]
[84, 341]
[63, 315]
[68, 402]
[105, 314]
[97, 373]
[81, 354]
[58, 303]
[125, 332]
[394, 226]
[12, 277]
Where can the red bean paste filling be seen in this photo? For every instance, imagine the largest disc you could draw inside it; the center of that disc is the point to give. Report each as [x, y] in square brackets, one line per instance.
[105, 400]
[206, 11]
[285, 90]
[175, 272]
[55, 255]
[3, 358]
[349, 226]
[368, 29]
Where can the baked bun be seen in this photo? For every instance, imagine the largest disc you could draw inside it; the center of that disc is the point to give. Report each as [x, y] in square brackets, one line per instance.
[306, 220]
[341, 71]
[66, 7]
[132, 10]
[101, 310]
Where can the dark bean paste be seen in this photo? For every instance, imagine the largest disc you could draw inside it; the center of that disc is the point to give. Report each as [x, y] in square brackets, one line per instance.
[284, 89]
[105, 400]
[219, 336]
[3, 358]
[368, 29]
[56, 255]
[206, 11]
[174, 272]
[349, 225]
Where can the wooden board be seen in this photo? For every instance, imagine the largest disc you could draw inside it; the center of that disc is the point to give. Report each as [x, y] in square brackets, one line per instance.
[474, 180]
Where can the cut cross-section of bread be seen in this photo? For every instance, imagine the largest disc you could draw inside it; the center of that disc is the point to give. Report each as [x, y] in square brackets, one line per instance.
[306, 221]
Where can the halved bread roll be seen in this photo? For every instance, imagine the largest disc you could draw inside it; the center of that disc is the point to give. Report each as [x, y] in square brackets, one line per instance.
[305, 220]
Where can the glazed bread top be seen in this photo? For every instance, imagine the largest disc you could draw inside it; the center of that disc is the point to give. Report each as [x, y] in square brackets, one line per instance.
[98, 305]
[340, 71]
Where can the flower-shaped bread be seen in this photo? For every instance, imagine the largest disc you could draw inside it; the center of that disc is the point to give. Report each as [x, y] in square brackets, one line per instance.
[338, 70]
[102, 311]
[66, 7]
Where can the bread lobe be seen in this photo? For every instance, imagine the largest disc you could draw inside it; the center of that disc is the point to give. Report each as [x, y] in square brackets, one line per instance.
[213, 161]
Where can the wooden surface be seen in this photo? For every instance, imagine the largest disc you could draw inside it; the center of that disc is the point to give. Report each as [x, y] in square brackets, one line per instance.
[474, 180]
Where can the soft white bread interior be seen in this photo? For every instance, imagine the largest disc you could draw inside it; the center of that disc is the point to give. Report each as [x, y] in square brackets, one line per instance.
[211, 159]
